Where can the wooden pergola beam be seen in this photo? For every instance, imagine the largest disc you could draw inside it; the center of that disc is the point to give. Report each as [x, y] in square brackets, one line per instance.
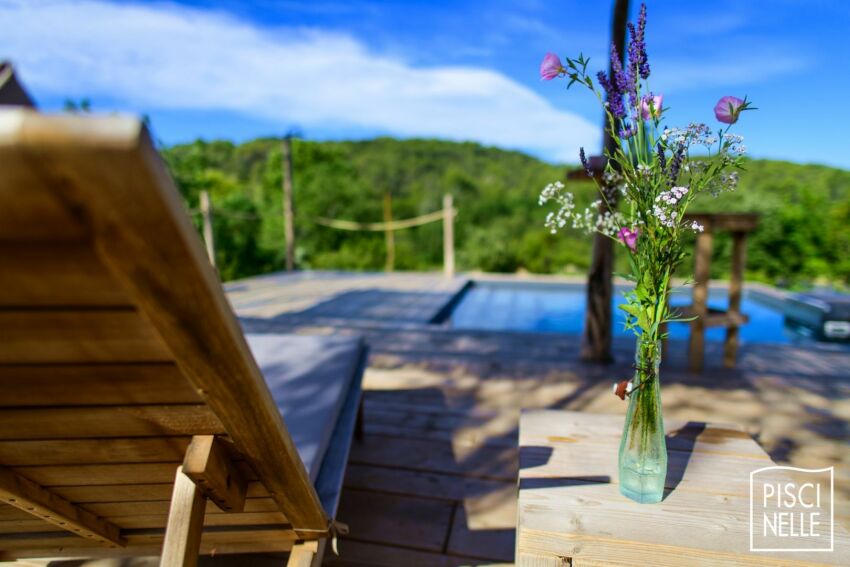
[38, 501]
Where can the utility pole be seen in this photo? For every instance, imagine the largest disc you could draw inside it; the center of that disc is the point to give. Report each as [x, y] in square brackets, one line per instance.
[206, 215]
[288, 208]
[596, 341]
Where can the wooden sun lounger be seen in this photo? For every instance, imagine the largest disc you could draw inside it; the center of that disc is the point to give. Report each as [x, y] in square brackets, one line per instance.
[122, 365]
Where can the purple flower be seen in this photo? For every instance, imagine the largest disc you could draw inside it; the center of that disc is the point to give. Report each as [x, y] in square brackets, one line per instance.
[728, 109]
[651, 106]
[550, 67]
[627, 132]
[613, 96]
[621, 78]
[676, 163]
[584, 162]
[662, 157]
[628, 237]
[637, 45]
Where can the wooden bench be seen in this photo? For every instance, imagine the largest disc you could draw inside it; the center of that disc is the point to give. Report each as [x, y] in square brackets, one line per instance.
[739, 224]
[130, 396]
[572, 513]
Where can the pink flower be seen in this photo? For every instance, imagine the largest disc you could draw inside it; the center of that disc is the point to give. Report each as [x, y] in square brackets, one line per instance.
[728, 109]
[550, 67]
[651, 106]
[628, 237]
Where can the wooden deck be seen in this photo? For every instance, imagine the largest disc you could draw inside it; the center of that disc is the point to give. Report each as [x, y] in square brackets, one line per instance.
[434, 480]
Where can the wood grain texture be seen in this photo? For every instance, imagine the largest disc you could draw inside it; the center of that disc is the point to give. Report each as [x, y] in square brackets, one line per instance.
[36, 500]
[215, 540]
[209, 464]
[93, 451]
[106, 172]
[87, 476]
[74, 336]
[58, 274]
[305, 554]
[185, 524]
[25, 385]
[136, 492]
[108, 422]
[570, 506]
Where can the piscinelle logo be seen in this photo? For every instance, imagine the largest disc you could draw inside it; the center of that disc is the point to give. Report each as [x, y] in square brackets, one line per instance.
[792, 512]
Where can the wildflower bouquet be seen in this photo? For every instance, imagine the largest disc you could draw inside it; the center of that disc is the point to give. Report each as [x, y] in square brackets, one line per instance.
[656, 172]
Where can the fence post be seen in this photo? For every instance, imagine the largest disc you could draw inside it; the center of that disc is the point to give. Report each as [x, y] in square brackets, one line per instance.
[448, 236]
[389, 235]
[288, 209]
[206, 215]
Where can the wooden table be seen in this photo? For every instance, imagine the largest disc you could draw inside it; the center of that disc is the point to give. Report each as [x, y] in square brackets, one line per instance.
[571, 511]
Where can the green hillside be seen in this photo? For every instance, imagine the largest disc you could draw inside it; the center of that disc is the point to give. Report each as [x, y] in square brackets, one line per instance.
[804, 234]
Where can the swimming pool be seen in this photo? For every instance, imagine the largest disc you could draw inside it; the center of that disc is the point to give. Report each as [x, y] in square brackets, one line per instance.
[559, 308]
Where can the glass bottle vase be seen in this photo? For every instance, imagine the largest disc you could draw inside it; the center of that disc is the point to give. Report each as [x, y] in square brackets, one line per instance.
[643, 450]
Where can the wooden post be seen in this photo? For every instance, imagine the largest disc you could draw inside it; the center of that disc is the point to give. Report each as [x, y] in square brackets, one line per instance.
[208, 464]
[206, 215]
[739, 259]
[702, 268]
[288, 206]
[596, 339]
[448, 236]
[306, 554]
[185, 524]
[388, 233]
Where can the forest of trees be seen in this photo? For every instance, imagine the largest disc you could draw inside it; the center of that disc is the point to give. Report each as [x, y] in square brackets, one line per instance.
[804, 234]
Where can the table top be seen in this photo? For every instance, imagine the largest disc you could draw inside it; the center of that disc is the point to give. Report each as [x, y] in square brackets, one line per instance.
[570, 507]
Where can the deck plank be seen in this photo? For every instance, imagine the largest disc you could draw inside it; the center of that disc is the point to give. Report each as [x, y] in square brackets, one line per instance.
[396, 520]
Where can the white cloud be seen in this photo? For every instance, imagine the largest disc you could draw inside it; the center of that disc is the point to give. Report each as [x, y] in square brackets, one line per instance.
[162, 56]
[735, 70]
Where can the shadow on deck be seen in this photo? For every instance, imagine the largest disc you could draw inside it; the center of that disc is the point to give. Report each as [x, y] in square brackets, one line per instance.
[434, 480]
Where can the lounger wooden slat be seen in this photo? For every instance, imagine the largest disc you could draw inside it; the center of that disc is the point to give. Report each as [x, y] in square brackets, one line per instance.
[135, 492]
[108, 421]
[108, 474]
[58, 274]
[153, 521]
[119, 352]
[108, 384]
[77, 336]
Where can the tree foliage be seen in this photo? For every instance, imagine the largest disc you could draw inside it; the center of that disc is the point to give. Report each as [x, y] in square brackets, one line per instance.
[804, 232]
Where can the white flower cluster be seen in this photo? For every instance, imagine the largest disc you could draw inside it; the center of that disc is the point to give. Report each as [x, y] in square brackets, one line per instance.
[551, 192]
[555, 192]
[727, 181]
[613, 182]
[734, 144]
[665, 205]
[697, 227]
[589, 220]
[607, 223]
[695, 133]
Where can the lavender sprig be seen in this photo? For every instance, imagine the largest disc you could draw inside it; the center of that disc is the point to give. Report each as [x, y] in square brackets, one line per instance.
[676, 163]
[615, 101]
[584, 162]
[637, 46]
[662, 158]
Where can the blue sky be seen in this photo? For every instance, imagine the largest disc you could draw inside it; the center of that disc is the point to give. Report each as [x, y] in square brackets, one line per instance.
[457, 70]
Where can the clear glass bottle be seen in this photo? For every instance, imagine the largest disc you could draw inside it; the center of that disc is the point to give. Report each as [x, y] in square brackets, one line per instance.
[643, 449]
